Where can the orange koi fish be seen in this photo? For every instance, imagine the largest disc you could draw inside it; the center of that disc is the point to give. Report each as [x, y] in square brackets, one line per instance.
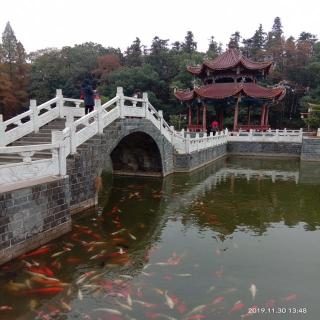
[41, 270]
[236, 307]
[37, 252]
[46, 291]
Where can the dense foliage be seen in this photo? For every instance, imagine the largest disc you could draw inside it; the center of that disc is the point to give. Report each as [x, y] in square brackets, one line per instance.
[158, 69]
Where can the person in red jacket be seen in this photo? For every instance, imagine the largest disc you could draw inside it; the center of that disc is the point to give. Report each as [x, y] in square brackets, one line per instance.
[214, 126]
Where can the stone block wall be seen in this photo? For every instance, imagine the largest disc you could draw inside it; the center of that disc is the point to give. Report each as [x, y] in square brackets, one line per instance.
[189, 162]
[271, 149]
[310, 149]
[33, 215]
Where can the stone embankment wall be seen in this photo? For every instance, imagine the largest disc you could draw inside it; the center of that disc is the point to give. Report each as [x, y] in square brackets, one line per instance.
[194, 160]
[32, 215]
[310, 149]
[269, 149]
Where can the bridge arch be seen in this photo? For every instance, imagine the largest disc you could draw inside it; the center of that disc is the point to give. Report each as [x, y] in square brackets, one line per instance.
[135, 146]
[137, 153]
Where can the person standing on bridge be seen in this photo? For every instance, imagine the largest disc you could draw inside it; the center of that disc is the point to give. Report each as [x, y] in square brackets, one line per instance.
[88, 95]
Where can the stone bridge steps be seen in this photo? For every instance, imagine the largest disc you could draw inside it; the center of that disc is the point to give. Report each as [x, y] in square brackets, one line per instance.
[41, 137]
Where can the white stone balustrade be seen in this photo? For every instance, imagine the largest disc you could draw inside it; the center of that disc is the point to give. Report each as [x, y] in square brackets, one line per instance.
[267, 136]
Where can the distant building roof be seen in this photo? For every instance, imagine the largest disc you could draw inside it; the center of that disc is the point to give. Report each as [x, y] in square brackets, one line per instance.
[225, 90]
[227, 60]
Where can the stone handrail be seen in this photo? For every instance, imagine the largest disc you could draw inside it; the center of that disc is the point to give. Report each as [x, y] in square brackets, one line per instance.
[267, 136]
[36, 117]
[28, 168]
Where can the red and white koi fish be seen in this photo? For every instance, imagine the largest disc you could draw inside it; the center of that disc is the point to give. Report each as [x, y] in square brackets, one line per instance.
[218, 300]
[6, 308]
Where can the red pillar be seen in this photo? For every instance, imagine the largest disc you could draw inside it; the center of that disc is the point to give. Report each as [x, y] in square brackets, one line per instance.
[204, 118]
[266, 117]
[221, 119]
[190, 117]
[197, 115]
[236, 114]
[263, 112]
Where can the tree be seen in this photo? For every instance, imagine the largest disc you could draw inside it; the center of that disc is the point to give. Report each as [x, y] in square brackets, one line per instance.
[235, 40]
[133, 54]
[258, 42]
[7, 99]
[189, 45]
[9, 48]
[214, 48]
[106, 65]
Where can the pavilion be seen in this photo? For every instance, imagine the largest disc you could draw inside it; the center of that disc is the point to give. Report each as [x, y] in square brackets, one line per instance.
[229, 78]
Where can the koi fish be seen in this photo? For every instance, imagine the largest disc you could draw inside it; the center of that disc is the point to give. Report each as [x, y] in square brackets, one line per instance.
[253, 290]
[80, 295]
[236, 307]
[44, 270]
[132, 236]
[218, 300]
[129, 300]
[199, 308]
[169, 302]
[184, 274]
[48, 282]
[65, 306]
[38, 252]
[290, 297]
[145, 304]
[111, 311]
[124, 306]
[50, 290]
[117, 232]
[6, 308]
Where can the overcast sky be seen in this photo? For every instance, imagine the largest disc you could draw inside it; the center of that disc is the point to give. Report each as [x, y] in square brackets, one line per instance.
[56, 23]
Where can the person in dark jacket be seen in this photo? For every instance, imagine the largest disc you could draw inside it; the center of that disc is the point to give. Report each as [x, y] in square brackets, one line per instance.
[88, 96]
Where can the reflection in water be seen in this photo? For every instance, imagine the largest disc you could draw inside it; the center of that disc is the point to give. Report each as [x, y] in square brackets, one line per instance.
[204, 245]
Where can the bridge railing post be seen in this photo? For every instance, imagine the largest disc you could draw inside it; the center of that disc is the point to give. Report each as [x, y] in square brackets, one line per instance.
[120, 102]
[34, 110]
[60, 102]
[97, 104]
[2, 132]
[161, 120]
[145, 103]
[57, 138]
[187, 143]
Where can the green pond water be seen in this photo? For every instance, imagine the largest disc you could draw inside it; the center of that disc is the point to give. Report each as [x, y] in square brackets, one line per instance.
[238, 239]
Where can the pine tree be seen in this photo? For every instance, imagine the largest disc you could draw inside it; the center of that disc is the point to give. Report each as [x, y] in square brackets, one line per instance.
[258, 41]
[235, 40]
[9, 47]
[214, 48]
[189, 45]
[133, 54]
